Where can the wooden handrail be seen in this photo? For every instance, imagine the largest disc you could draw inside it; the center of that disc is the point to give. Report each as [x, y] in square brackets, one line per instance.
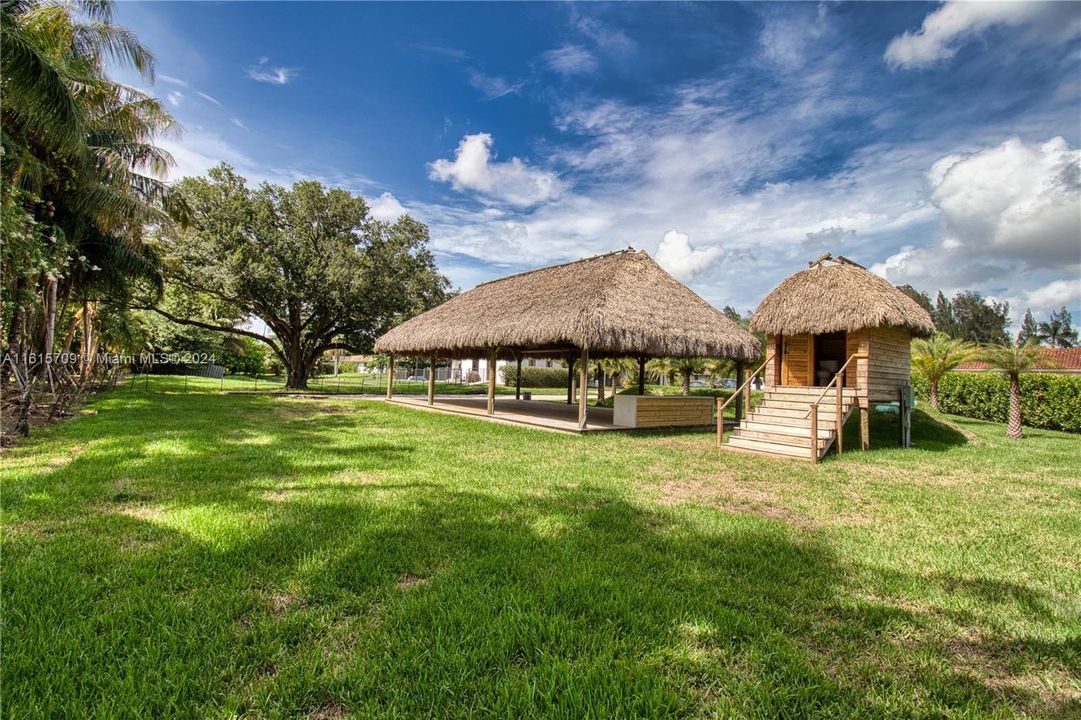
[736, 394]
[836, 377]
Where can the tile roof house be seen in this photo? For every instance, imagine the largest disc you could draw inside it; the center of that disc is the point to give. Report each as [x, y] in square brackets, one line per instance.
[1054, 360]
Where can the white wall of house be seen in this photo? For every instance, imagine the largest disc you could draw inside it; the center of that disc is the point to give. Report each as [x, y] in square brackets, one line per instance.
[460, 369]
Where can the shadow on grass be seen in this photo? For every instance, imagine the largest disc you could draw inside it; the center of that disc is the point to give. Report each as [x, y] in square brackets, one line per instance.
[407, 595]
[928, 433]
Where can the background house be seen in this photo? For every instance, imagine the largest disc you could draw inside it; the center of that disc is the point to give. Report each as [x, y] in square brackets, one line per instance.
[1053, 360]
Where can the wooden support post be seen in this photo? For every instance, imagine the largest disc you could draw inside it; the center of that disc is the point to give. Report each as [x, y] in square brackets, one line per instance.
[583, 389]
[739, 384]
[570, 380]
[720, 423]
[641, 375]
[431, 379]
[865, 425]
[837, 427]
[390, 377]
[491, 382]
[747, 400]
[518, 380]
[814, 432]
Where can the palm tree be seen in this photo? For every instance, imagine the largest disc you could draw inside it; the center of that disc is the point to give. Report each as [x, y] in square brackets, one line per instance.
[661, 369]
[1058, 331]
[936, 356]
[686, 367]
[79, 159]
[611, 367]
[1013, 360]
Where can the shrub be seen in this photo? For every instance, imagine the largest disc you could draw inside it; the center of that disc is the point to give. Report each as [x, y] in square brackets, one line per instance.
[538, 377]
[1048, 400]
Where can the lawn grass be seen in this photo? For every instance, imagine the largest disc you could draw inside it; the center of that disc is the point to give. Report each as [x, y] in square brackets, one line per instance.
[342, 384]
[185, 554]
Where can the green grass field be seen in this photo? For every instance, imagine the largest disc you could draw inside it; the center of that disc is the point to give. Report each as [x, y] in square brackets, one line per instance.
[187, 554]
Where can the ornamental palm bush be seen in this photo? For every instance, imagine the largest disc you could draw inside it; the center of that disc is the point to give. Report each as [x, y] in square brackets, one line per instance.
[1012, 361]
[936, 356]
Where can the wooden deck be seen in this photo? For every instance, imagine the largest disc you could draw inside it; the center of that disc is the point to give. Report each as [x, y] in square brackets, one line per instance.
[543, 414]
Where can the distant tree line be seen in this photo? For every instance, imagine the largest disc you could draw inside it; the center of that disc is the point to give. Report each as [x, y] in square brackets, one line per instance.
[971, 317]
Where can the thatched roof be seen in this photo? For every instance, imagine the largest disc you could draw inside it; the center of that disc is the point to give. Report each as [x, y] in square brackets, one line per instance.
[836, 294]
[619, 304]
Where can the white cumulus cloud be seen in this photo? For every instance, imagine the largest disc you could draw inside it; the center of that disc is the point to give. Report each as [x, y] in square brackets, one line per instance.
[676, 255]
[515, 182]
[386, 208]
[945, 30]
[1017, 200]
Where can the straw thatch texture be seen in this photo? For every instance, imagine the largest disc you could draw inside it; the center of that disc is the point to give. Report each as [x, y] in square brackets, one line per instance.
[835, 295]
[618, 304]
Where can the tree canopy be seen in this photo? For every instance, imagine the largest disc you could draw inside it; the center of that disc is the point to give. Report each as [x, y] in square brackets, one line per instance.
[1058, 330]
[80, 181]
[311, 263]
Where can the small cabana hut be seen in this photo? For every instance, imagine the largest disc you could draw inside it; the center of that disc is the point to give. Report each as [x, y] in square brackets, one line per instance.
[620, 304]
[835, 321]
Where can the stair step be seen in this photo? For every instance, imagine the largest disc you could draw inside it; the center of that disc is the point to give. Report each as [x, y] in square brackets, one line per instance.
[793, 430]
[808, 396]
[778, 438]
[801, 412]
[798, 405]
[752, 445]
[727, 447]
[791, 421]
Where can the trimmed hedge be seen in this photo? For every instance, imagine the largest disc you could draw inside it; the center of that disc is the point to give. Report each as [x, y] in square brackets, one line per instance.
[536, 377]
[1048, 400]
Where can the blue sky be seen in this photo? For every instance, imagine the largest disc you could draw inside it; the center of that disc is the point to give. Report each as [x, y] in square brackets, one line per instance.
[936, 144]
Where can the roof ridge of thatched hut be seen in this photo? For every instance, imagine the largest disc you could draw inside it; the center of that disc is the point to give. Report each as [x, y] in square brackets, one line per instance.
[620, 303]
[836, 294]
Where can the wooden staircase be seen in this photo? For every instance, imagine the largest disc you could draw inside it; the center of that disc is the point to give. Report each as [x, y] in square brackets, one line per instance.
[781, 424]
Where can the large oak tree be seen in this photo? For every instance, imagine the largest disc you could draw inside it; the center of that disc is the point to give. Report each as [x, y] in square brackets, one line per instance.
[311, 263]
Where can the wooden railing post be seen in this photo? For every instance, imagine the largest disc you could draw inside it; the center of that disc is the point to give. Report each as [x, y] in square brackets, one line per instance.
[837, 423]
[814, 432]
[739, 384]
[747, 397]
[720, 423]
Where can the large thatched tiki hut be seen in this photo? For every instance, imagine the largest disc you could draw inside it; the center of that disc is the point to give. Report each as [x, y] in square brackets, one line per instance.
[834, 318]
[621, 304]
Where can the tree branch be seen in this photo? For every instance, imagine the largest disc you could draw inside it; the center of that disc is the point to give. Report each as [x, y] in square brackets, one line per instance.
[209, 326]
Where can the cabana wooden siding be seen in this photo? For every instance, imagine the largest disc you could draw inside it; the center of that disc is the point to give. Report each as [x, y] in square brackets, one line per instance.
[622, 304]
[837, 340]
[833, 310]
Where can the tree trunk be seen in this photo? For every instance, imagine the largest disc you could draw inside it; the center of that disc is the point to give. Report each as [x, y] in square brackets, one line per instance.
[297, 366]
[1014, 428]
[85, 346]
[686, 382]
[600, 386]
[296, 377]
[934, 393]
[50, 328]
